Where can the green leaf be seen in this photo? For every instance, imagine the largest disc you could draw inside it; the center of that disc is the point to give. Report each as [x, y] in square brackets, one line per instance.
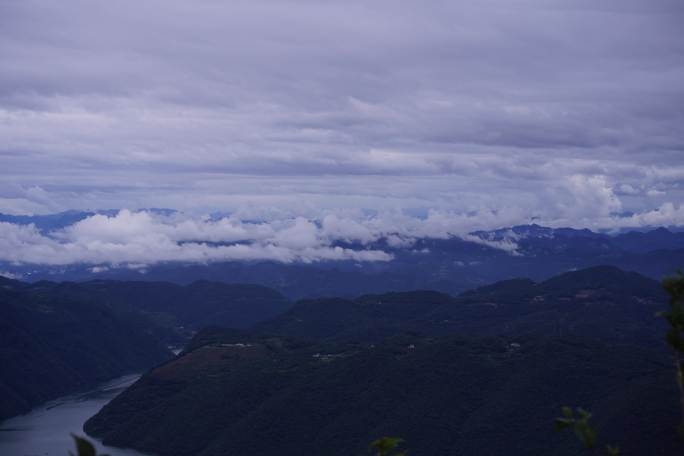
[83, 447]
[589, 437]
[384, 445]
[613, 450]
[584, 415]
[563, 423]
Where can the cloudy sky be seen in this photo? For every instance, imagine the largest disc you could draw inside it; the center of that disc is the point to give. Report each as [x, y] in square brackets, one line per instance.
[471, 114]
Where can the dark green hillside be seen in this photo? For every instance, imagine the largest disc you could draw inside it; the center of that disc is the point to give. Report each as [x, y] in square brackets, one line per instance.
[193, 306]
[482, 373]
[56, 338]
[444, 396]
[607, 278]
[50, 346]
[370, 317]
[602, 303]
[505, 289]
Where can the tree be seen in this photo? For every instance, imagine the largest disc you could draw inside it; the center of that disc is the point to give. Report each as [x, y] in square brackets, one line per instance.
[580, 424]
[674, 316]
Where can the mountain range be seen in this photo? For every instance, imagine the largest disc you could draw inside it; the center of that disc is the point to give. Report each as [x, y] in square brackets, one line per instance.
[460, 345]
[483, 372]
[450, 265]
[58, 338]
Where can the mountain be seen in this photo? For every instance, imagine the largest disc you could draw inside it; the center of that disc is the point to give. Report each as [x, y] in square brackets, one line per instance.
[534, 236]
[57, 338]
[590, 303]
[173, 306]
[480, 373]
[450, 265]
[50, 346]
[658, 239]
[444, 396]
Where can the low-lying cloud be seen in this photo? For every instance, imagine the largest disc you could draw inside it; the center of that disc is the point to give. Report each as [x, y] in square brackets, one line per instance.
[137, 239]
[141, 238]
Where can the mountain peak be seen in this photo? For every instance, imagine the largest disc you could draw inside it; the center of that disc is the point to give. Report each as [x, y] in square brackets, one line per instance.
[603, 277]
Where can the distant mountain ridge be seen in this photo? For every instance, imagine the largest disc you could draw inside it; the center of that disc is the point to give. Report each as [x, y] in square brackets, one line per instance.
[449, 265]
[587, 301]
[192, 306]
[659, 238]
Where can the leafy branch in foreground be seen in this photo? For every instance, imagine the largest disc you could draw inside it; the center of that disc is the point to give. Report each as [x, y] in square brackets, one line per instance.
[387, 446]
[674, 286]
[583, 428]
[84, 447]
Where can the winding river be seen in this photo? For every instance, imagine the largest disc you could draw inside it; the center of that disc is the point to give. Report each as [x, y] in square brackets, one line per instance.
[45, 431]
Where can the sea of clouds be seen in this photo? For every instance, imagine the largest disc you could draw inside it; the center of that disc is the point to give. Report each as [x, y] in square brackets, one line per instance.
[140, 238]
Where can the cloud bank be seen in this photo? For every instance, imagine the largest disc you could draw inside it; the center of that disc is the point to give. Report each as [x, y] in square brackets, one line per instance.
[139, 239]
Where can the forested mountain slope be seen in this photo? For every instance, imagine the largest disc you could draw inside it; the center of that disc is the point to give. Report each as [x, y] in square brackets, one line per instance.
[481, 373]
[56, 338]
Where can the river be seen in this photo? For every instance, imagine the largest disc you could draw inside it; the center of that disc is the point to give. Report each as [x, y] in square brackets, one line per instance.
[47, 429]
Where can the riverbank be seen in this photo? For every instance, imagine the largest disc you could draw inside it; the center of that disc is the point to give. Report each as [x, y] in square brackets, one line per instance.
[46, 430]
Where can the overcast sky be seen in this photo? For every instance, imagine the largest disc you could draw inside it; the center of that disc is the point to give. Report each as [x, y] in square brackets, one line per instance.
[494, 111]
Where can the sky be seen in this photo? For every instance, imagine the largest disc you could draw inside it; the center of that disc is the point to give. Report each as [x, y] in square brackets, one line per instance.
[473, 114]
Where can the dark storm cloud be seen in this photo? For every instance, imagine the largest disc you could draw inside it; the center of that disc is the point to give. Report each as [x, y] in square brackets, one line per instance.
[569, 111]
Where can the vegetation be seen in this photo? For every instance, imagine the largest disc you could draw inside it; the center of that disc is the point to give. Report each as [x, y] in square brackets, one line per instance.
[577, 305]
[53, 344]
[255, 393]
[334, 370]
[387, 446]
[675, 335]
[580, 424]
[84, 447]
[58, 338]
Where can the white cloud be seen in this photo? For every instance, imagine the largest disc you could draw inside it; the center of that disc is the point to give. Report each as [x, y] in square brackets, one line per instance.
[628, 189]
[143, 238]
[346, 229]
[300, 235]
[10, 275]
[668, 214]
[137, 239]
[592, 196]
[507, 244]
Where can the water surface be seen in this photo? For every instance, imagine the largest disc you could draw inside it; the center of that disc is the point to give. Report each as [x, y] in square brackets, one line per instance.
[47, 429]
